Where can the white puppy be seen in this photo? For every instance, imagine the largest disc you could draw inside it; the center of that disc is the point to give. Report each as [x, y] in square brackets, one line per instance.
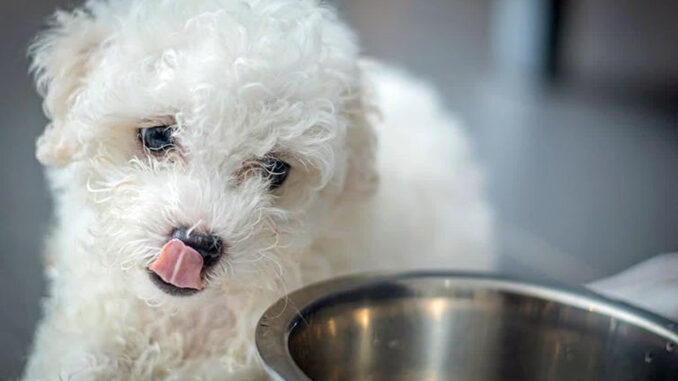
[206, 157]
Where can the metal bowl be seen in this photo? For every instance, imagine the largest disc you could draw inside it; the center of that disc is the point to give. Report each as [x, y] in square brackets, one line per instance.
[452, 326]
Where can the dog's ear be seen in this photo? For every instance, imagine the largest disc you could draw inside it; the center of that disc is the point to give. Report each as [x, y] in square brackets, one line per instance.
[60, 58]
[361, 178]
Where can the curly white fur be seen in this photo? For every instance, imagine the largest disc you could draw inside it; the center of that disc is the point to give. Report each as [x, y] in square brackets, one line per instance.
[241, 79]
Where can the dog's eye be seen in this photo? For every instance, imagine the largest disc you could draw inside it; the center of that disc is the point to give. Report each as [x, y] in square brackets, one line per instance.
[276, 171]
[157, 139]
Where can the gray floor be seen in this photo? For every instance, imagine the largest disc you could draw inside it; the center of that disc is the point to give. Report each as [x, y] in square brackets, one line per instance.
[581, 183]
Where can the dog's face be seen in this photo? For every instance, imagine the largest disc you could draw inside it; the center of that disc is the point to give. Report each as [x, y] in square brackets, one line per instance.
[210, 142]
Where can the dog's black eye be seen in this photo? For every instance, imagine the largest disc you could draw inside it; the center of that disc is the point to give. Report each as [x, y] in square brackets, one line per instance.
[157, 139]
[276, 171]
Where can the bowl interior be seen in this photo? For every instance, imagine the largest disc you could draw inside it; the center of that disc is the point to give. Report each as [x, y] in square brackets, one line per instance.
[435, 329]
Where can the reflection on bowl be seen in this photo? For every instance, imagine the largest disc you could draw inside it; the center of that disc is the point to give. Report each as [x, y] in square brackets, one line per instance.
[451, 326]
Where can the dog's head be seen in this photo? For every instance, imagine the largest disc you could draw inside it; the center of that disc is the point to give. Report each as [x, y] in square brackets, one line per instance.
[210, 141]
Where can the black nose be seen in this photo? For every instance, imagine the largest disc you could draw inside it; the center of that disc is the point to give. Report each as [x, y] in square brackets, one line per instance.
[210, 247]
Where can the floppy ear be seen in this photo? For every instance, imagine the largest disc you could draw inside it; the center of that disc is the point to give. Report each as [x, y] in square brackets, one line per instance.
[362, 178]
[60, 58]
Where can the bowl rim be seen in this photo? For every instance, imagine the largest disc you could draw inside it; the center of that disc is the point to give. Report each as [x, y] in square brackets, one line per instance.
[277, 322]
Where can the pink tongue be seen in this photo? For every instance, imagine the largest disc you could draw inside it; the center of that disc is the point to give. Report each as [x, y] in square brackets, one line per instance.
[179, 265]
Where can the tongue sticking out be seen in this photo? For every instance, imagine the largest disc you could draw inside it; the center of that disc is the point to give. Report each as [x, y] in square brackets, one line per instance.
[179, 265]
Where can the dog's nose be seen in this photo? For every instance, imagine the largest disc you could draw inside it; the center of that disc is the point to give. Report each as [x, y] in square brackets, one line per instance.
[210, 247]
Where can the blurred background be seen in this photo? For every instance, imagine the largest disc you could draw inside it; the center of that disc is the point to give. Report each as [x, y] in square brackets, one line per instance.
[572, 108]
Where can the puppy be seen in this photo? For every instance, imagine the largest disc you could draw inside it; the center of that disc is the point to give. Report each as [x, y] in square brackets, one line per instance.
[206, 157]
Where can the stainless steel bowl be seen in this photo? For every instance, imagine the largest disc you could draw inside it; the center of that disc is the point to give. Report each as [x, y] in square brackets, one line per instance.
[451, 326]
